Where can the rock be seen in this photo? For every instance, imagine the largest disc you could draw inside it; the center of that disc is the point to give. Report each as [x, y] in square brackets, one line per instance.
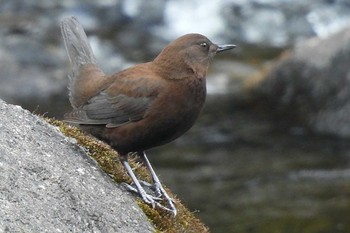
[49, 184]
[311, 85]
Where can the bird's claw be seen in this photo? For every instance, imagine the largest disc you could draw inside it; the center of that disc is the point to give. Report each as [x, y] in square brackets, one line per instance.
[153, 200]
[159, 191]
[149, 199]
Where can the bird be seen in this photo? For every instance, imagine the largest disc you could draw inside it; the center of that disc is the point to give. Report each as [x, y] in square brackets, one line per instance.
[144, 106]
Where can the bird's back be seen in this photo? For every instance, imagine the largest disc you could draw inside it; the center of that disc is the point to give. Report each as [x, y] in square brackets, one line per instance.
[143, 106]
[139, 109]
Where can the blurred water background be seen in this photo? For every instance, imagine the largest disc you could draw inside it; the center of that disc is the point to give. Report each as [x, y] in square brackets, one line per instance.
[270, 151]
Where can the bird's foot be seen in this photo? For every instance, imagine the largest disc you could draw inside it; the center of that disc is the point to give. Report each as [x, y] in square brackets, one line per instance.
[160, 192]
[139, 188]
[149, 199]
[144, 195]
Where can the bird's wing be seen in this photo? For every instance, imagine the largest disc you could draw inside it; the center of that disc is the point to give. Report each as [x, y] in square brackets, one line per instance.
[113, 110]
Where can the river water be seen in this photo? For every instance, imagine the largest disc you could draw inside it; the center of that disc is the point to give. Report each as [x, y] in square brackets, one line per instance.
[252, 174]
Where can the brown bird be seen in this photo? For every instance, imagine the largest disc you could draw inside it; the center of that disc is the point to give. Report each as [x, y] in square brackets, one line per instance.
[144, 106]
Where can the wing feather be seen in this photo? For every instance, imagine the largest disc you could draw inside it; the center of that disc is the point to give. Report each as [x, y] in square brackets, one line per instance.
[112, 111]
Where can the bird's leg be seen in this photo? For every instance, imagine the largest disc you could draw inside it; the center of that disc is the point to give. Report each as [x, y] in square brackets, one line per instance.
[139, 189]
[158, 188]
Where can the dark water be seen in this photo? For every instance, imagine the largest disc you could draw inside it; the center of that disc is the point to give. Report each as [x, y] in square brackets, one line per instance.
[252, 175]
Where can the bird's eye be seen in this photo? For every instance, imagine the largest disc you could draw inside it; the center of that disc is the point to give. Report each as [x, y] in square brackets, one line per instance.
[204, 45]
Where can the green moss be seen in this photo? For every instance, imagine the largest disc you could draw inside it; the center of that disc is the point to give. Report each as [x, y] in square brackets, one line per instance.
[108, 159]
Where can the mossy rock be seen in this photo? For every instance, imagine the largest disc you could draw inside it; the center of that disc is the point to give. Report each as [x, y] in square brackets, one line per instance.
[108, 159]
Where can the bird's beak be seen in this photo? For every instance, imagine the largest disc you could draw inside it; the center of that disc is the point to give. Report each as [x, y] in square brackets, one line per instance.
[224, 47]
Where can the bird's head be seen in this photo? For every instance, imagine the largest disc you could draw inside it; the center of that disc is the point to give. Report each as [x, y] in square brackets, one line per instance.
[191, 51]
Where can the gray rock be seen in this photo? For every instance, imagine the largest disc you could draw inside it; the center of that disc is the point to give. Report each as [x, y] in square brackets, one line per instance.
[311, 85]
[49, 184]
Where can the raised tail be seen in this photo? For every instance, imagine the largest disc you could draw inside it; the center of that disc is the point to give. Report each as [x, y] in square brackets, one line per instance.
[77, 45]
[86, 77]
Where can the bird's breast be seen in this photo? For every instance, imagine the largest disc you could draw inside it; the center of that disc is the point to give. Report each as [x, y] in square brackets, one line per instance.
[172, 112]
[178, 108]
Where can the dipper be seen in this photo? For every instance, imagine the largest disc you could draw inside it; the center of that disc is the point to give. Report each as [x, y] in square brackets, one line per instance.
[144, 106]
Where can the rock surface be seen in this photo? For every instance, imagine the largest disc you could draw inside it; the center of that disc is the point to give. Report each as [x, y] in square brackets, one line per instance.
[49, 184]
[311, 85]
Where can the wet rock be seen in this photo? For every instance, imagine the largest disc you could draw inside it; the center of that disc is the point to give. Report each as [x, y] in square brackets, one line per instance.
[49, 184]
[311, 85]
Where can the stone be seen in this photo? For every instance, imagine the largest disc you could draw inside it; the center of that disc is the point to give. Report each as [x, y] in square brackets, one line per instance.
[310, 85]
[49, 184]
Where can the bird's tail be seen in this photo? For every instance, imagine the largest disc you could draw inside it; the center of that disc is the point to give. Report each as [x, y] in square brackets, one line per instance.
[77, 45]
[84, 66]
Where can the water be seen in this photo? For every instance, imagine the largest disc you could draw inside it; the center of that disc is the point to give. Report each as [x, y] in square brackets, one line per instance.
[263, 177]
